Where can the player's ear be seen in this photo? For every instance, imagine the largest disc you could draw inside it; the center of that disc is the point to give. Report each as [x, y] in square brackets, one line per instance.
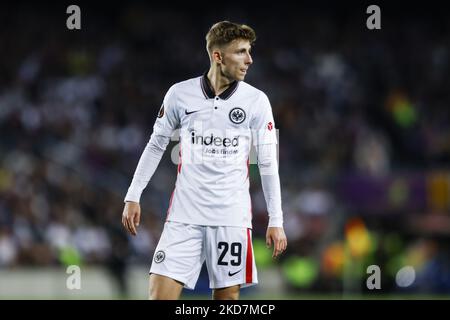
[217, 56]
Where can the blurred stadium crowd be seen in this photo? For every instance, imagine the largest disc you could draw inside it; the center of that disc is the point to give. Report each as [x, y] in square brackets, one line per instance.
[364, 138]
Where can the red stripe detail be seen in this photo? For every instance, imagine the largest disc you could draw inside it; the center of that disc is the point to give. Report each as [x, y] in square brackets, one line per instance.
[248, 167]
[180, 160]
[170, 204]
[248, 173]
[249, 263]
[171, 197]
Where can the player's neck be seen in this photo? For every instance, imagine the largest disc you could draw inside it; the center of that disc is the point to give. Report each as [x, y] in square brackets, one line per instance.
[218, 81]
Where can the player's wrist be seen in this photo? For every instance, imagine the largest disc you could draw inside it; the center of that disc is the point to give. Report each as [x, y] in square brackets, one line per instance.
[276, 222]
[131, 199]
[132, 195]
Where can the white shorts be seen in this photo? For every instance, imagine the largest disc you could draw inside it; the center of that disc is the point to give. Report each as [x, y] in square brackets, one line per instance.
[228, 252]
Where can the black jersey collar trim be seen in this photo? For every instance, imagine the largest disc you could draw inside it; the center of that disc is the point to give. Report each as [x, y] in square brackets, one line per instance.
[209, 92]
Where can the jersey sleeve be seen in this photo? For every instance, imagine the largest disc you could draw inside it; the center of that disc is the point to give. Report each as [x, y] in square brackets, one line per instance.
[262, 124]
[146, 167]
[168, 119]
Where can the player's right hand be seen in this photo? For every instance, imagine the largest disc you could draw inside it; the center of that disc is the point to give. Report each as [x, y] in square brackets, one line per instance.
[131, 216]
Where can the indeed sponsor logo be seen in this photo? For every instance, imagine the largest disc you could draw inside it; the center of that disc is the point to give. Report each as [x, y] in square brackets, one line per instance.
[215, 141]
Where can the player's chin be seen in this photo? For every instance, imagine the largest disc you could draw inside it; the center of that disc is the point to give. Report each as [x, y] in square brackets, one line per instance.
[240, 76]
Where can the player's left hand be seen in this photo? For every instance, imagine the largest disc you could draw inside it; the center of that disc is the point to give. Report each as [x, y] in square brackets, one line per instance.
[131, 216]
[277, 236]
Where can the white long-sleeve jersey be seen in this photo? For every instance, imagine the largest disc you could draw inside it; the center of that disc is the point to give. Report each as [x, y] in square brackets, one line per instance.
[216, 133]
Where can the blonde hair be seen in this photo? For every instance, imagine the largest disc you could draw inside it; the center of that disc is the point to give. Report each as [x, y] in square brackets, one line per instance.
[224, 32]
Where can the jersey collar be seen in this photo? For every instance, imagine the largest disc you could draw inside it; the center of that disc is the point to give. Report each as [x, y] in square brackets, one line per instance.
[209, 92]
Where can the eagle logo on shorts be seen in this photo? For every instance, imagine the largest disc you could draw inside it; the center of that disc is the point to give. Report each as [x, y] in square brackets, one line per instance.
[159, 256]
[237, 115]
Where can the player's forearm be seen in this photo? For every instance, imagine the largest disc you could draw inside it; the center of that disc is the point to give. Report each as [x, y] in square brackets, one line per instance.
[270, 180]
[146, 167]
[272, 194]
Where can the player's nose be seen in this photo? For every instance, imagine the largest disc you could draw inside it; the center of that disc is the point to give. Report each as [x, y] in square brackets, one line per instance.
[249, 60]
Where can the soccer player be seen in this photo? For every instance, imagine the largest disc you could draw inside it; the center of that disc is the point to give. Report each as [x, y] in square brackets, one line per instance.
[218, 115]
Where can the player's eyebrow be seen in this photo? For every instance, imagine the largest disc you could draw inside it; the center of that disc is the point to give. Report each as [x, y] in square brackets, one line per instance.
[244, 49]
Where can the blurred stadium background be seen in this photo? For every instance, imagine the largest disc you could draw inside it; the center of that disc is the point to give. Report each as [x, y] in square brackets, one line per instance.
[364, 145]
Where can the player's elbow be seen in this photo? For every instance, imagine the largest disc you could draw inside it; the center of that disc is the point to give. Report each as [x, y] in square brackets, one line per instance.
[158, 143]
[268, 167]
